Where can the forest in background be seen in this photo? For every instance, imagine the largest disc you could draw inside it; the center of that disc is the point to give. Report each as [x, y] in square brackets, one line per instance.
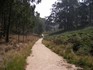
[69, 15]
[69, 31]
[20, 27]
[19, 17]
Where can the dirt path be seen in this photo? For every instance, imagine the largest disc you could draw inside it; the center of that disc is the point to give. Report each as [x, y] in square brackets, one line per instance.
[43, 58]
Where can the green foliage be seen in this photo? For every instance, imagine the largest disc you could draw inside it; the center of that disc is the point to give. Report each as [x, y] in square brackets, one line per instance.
[75, 46]
[39, 25]
[17, 16]
[70, 15]
[16, 64]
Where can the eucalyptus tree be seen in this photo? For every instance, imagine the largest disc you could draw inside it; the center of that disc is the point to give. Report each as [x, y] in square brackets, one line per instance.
[64, 13]
[72, 14]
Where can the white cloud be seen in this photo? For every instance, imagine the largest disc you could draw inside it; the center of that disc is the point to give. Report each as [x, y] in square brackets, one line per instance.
[44, 7]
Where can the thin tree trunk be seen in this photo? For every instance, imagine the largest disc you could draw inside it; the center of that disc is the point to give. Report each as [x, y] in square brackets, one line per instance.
[90, 12]
[23, 32]
[9, 21]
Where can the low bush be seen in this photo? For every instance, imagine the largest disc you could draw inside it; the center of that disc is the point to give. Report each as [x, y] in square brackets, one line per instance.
[75, 46]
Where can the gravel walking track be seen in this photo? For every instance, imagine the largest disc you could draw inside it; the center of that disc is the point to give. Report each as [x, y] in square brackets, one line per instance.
[43, 58]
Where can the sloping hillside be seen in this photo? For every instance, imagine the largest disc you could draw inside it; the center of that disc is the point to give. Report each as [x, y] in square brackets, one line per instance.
[75, 46]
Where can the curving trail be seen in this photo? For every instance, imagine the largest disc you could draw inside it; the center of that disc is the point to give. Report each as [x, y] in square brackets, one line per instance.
[43, 58]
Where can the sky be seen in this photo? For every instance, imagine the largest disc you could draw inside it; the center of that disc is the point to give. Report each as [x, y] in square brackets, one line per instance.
[44, 7]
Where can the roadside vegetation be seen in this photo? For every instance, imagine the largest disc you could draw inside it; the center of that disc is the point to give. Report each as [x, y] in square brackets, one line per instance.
[18, 22]
[75, 46]
[14, 54]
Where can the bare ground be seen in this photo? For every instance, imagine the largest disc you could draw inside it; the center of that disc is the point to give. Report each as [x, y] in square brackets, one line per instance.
[43, 58]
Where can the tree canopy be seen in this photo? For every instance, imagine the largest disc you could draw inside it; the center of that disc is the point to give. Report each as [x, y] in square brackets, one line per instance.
[17, 16]
[71, 14]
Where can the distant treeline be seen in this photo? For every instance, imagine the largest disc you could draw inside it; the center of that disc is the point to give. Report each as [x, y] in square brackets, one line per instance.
[71, 14]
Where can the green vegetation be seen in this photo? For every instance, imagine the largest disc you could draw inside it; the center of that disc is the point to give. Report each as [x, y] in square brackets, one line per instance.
[67, 15]
[75, 46]
[17, 17]
[15, 59]
[39, 24]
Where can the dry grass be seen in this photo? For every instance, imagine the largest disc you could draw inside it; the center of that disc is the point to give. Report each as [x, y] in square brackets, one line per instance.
[65, 51]
[13, 54]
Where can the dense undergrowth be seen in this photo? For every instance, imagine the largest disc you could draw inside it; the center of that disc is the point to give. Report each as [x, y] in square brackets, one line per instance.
[75, 46]
[15, 58]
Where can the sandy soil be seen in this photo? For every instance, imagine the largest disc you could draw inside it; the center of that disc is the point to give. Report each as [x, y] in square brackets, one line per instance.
[43, 58]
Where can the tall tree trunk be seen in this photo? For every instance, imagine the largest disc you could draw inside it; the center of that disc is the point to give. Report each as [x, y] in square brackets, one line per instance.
[4, 21]
[9, 21]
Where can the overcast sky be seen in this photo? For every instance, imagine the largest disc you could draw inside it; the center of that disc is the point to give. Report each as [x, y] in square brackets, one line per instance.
[44, 7]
